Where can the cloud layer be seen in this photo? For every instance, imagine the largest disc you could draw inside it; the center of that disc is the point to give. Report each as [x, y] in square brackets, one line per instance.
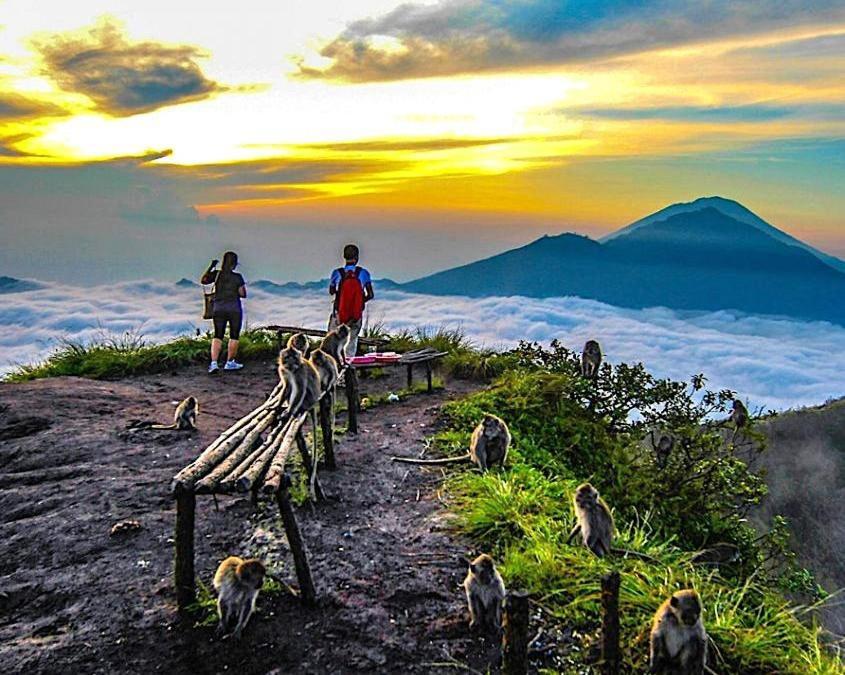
[122, 77]
[772, 363]
[466, 36]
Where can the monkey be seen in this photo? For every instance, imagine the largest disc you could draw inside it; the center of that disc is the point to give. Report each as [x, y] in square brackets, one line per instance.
[237, 582]
[721, 553]
[594, 520]
[590, 359]
[595, 523]
[485, 592]
[184, 418]
[334, 344]
[302, 382]
[300, 343]
[326, 368]
[488, 446]
[678, 639]
[302, 391]
[663, 449]
[739, 415]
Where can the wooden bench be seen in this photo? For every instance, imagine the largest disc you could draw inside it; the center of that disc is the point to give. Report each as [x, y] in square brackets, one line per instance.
[251, 457]
[421, 357]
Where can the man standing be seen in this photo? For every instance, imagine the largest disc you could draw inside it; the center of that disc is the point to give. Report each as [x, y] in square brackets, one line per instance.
[352, 288]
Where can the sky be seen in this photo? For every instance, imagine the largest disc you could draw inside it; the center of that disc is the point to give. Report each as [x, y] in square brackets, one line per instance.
[772, 363]
[139, 140]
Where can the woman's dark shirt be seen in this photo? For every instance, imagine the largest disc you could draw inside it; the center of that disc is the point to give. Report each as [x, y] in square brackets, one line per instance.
[226, 296]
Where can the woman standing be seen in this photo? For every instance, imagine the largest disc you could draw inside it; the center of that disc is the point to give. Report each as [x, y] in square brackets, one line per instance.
[229, 288]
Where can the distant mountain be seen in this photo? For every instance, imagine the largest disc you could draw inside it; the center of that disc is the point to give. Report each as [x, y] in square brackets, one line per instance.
[691, 259]
[736, 211]
[186, 283]
[12, 285]
[321, 285]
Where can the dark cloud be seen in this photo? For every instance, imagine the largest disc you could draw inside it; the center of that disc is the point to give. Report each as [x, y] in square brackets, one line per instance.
[125, 78]
[465, 36]
[17, 108]
[760, 112]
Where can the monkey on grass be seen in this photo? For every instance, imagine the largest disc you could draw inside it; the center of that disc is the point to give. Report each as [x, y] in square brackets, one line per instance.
[184, 418]
[237, 582]
[678, 641]
[595, 524]
[488, 446]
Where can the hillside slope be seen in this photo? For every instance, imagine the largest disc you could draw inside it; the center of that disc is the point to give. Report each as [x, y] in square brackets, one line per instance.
[805, 466]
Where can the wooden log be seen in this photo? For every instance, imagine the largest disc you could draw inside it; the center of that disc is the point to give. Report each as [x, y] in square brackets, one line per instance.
[183, 568]
[214, 453]
[308, 463]
[327, 429]
[297, 546]
[277, 467]
[428, 376]
[252, 475]
[316, 332]
[610, 655]
[257, 459]
[353, 404]
[243, 449]
[515, 641]
[410, 378]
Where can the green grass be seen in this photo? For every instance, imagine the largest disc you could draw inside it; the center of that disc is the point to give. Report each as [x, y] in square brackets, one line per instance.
[113, 357]
[523, 515]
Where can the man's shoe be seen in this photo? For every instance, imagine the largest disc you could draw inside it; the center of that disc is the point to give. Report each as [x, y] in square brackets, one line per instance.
[233, 365]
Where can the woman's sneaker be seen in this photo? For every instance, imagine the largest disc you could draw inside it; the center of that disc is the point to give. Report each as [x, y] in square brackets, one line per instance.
[233, 365]
[213, 368]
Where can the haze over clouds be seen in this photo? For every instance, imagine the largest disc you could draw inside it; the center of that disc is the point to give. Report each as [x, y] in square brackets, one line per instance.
[773, 363]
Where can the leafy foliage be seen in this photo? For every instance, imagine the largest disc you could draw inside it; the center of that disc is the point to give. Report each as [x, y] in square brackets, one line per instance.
[568, 429]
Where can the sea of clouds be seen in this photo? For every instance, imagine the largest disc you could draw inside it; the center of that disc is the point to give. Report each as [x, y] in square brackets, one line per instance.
[771, 362]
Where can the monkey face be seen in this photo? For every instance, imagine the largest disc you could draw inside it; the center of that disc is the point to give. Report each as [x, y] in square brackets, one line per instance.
[251, 572]
[290, 359]
[299, 342]
[586, 496]
[483, 568]
[687, 607]
[491, 426]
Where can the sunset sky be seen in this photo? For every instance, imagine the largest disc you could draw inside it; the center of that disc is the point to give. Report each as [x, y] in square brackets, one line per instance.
[139, 138]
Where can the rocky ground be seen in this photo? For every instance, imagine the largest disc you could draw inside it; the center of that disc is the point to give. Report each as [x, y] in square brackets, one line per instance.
[76, 599]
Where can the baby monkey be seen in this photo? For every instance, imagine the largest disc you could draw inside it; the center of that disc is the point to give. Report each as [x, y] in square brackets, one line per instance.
[678, 639]
[334, 344]
[591, 359]
[488, 446]
[184, 418]
[237, 582]
[485, 592]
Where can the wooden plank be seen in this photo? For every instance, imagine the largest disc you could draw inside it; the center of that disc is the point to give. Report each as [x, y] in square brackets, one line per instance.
[308, 463]
[327, 429]
[277, 467]
[296, 544]
[610, 655]
[352, 402]
[515, 661]
[183, 568]
[316, 332]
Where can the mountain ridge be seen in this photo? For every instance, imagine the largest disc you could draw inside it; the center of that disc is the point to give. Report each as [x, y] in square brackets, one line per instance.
[698, 259]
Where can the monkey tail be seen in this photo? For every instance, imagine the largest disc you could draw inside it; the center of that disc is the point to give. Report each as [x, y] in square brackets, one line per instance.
[148, 424]
[443, 460]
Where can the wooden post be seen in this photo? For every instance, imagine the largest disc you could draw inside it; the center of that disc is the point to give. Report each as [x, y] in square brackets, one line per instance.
[326, 405]
[352, 400]
[410, 375]
[183, 568]
[297, 546]
[515, 643]
[307, 462]
[428, 375]
[610, 657]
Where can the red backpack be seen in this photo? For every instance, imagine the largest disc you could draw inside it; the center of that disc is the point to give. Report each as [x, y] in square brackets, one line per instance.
[349, 301]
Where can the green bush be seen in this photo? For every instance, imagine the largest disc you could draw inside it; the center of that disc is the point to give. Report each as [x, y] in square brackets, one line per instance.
[567, 429]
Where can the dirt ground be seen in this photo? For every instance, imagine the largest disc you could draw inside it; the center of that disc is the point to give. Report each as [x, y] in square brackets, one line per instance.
[75, 599]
